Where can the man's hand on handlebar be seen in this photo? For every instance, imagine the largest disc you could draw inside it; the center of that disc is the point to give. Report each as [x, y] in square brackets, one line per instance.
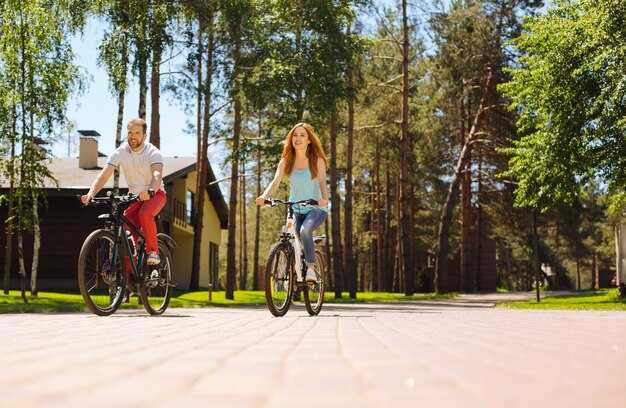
[146, 195]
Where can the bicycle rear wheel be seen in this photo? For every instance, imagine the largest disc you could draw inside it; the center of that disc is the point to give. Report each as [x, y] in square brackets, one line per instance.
[314, 293]
[100, 278]
[278, 279]
[156, 291]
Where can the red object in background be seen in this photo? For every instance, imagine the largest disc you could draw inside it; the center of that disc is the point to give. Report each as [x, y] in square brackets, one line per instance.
[614, 280]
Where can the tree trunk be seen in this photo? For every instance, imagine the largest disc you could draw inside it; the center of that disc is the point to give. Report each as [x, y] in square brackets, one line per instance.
[194, 279]
[466, 203]
[142, 64]
[257, 218]
[380, 275]
[349, 253]
[118, 139]
[399, 270]
[36, 246]
[231, 273]
[10, 211]
[536, 255]
[155, 85]
[595, 272]
[576, 252]
[10, 214]
[441, 270]
[335, 208]
[479, 228]
[373, 251]
[244, 227]
[204, 123]
[405, 162]
[20, 256]
[388, 236]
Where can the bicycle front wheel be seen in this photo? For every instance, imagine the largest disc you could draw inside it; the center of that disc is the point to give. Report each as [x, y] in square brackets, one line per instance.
[100, 277]
[156, 288]
[314, 293]
[278, 279]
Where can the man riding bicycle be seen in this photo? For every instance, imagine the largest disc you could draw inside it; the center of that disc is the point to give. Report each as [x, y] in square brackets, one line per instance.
[142, 165]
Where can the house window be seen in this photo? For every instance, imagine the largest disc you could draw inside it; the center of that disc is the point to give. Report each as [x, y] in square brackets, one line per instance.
[190, 209]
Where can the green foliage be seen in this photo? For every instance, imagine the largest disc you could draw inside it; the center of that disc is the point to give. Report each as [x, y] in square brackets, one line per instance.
[604, 299]
[569, 91]
[302, 51]
[55, 302]
[37, 79]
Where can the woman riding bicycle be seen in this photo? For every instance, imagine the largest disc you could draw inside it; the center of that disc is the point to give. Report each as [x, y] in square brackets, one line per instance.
[304, 162]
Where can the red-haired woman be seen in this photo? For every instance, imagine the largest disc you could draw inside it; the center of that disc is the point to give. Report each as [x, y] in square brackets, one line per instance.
[304, 162]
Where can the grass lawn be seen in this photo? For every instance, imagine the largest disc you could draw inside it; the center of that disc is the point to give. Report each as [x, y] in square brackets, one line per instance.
[603, 299]
[55, 302]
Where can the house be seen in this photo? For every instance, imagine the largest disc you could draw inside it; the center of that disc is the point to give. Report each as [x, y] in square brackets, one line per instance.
[65, 223]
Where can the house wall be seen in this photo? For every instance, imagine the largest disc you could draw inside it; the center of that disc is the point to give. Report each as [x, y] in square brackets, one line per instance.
[183, 235]
[66, 224]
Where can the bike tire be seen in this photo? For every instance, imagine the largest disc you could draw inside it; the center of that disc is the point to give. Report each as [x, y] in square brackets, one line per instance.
[279, 278]
[156, 295]
[100, 279]
[314, 293]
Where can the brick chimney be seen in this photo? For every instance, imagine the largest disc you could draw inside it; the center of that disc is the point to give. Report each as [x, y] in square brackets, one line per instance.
[88, 154]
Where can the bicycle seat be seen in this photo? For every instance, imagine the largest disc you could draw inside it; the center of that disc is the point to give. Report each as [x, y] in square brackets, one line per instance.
[319, 238]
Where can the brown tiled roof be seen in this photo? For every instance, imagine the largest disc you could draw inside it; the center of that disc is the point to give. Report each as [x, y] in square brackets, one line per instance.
[70, 176]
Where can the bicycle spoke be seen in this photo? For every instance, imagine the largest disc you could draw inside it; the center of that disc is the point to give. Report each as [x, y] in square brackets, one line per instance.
[98, 276]
[278, 280]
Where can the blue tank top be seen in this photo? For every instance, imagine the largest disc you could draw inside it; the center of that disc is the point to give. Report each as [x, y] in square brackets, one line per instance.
[303, 188]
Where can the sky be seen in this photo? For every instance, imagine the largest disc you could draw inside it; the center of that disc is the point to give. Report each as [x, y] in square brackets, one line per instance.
[96, 108]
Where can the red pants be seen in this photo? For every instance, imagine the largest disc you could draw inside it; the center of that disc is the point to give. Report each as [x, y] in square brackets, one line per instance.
[142, 215]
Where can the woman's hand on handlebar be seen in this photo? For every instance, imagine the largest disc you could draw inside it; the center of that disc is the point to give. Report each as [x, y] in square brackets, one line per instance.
[322, 202]
[260, 200]
[85, 199]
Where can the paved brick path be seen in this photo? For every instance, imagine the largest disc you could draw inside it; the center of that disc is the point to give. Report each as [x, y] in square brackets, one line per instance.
[432, 354]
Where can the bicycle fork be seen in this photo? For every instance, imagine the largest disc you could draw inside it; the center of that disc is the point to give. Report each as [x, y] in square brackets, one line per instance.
[297, 245]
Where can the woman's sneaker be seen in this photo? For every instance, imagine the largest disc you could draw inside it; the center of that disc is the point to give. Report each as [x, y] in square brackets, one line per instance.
[311, 276]
[153, 258]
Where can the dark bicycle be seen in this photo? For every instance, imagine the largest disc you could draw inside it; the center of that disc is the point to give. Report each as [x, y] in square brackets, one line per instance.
[110, 265]
[285, 263]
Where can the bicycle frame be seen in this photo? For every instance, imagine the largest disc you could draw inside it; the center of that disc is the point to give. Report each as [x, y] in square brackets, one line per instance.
[290, 226]
[120, 220]
[140, 245]
[289, 231]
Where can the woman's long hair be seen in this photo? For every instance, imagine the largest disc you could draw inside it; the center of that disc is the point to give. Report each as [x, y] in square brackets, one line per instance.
[313, 152]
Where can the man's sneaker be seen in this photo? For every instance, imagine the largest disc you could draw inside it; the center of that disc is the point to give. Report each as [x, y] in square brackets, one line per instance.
[311, 277]
[153, 258]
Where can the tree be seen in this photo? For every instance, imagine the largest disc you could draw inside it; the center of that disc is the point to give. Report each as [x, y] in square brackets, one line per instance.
[236, 22]
[568, 90]
[469, 56]
[114, 55]
[37, 81]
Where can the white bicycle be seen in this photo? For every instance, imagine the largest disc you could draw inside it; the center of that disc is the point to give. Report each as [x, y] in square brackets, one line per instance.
[286, 266]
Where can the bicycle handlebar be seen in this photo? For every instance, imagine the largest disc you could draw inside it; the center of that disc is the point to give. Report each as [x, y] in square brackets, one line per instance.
[128, 198]
[275, 201]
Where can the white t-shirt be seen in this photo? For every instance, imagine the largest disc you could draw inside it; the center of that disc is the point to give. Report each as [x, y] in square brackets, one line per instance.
[137, 166]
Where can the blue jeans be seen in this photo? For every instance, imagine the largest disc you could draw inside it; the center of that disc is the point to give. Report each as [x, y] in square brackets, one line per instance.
[305, 225]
